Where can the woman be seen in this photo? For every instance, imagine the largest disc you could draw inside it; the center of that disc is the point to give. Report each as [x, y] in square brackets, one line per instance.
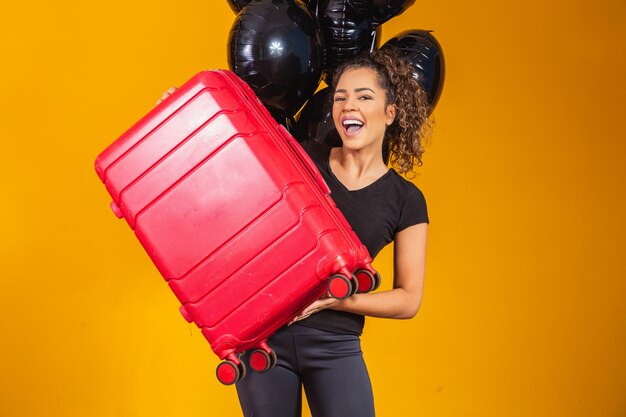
[375, 101]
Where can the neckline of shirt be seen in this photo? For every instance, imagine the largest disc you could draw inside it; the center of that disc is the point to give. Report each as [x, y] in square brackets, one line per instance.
[368, 187]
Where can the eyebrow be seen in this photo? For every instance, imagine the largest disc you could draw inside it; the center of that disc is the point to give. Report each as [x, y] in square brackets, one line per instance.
[356, 90]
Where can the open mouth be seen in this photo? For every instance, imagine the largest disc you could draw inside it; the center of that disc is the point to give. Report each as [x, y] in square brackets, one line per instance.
[352, 126]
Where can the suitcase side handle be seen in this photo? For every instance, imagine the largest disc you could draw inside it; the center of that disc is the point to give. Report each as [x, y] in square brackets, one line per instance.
[305, 159]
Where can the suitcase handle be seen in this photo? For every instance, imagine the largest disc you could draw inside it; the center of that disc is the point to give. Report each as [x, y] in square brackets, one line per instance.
[306, 160]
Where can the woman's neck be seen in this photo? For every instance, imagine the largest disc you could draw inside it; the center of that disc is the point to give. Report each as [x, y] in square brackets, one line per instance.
[357, 168]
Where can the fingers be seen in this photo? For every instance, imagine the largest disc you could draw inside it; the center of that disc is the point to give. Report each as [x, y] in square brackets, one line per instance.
[319, 305]
[166, 94]
[303, 315]
[299, 317]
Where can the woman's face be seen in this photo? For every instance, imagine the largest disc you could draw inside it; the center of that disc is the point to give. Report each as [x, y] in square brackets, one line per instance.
[360, 110]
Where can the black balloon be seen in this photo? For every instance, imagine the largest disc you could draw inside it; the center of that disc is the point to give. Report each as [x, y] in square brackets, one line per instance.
[346, 33]
[280, 117]
[238, 5]
[276, 47]
[316, 120]
[423, 52]
[379, 11]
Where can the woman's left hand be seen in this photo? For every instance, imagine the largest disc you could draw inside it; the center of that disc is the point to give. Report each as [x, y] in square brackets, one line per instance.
[318, 305]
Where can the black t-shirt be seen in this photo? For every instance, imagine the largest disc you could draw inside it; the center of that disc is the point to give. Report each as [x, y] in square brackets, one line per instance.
[375, 213]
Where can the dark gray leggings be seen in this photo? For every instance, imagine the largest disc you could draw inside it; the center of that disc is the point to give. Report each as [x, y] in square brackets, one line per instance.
[330, 366]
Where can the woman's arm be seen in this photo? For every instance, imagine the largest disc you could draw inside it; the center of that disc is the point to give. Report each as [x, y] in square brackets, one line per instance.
[401, 302]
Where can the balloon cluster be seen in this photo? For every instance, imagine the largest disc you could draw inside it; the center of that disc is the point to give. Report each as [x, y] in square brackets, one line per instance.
[284, 48]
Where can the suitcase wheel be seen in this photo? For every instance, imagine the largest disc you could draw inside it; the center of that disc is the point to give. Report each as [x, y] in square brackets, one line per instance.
[378, 281]
[339, 286]
[242, 370]
[229, 372]
[273, 358]
[355, 284]
[261, 361]
[367, 281]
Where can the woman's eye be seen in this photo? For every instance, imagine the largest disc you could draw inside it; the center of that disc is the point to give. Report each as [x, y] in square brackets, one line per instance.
[339, 98]
[365, 98]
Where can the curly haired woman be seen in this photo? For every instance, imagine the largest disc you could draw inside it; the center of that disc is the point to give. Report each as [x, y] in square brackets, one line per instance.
[376, 101]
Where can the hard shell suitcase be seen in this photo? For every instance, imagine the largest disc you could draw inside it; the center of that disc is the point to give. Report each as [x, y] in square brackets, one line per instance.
[235, 216]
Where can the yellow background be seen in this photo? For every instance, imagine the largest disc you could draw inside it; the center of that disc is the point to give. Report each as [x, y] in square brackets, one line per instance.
[524, 310]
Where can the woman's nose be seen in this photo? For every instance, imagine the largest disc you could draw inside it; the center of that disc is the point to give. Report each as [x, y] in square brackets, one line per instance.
[350, 105]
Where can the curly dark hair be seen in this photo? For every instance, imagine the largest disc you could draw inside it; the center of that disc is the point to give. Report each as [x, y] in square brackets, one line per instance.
[411, 129]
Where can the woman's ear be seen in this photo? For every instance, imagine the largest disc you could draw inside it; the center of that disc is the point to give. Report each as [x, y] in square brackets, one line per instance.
[391, 113]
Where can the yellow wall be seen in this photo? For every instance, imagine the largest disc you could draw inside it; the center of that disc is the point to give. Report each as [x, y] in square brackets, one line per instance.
[524, 306]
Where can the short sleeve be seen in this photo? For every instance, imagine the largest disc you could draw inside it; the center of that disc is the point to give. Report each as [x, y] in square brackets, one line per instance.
[413, 209]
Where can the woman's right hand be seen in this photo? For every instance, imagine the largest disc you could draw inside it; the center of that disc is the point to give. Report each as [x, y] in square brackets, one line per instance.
[166, 94]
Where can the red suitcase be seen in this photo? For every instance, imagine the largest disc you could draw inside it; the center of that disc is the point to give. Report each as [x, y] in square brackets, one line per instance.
[234, 214]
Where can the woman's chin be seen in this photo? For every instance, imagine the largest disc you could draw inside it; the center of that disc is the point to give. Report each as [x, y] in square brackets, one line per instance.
[360, 145]
[351, 143]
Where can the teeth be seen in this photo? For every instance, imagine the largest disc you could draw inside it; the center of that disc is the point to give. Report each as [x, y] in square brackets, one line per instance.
[352, 122]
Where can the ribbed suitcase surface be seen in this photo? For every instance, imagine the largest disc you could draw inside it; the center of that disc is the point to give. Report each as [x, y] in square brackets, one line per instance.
[234, 215]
